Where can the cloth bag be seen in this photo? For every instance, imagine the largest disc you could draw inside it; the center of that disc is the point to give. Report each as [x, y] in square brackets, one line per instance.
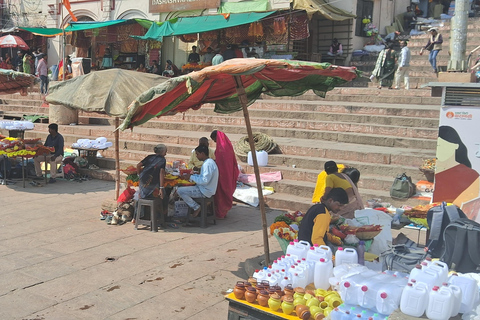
[402, 187]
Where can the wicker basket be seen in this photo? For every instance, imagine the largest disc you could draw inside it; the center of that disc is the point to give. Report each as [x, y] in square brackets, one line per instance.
[367, 235]
[283, 243]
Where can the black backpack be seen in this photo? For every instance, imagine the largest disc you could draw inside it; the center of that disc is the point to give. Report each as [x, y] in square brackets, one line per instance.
[462, 246]
[438, 218]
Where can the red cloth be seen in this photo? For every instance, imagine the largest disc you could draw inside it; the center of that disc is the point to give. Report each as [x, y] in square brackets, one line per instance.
[227, 175]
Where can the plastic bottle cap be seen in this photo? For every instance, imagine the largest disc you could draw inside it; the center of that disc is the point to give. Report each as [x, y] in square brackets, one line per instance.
[346, 284]
[383, 295]
[269, 274]
[435, 288]
[359, 315]
[322, 260]
[428, 259]
[424, 263]
[364, 288]
[454, 274]
[418, 266]
[340, 248]
[292, 267]
[296, 274]
[312, 248]
[315, 245]
[269, 267]
[303, 259]
[413, 281]
[286, 278]
[370, 318]
[361, 242]
[265, 268]
[292, 244]
[296, 240]
[257, 270]
[410, 284]
[445, 284]
[336, 309]
[283, 270]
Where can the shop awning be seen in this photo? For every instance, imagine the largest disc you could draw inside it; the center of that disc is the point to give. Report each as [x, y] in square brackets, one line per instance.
[46, 32]
[86, 25]
[191, 25]
[322, 7]
[243, 6]
[156, 31]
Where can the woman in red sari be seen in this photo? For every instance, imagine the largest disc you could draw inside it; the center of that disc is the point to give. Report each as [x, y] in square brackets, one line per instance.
[227, 173]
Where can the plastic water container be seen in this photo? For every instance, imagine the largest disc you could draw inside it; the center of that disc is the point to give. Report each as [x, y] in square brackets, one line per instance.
[429, 277]
[298, 248]
[347, 255]
[440, 303]
[285, 281]
[388, 298]
[323, 271]
[324, 250]
[441, 269]
[457, 294]
[299, 280]
[348, 288]
[367, 292]
[469, 291]
[415, 272]
[414, 300]
[262, 158]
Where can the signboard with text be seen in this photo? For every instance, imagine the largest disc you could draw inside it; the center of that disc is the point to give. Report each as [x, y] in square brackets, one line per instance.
[457, 174]
[157, 6]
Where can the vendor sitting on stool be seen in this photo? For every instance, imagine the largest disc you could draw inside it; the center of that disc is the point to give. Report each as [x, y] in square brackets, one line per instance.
[55, 140]
[206, 182]
[196, 164]
[316, 222]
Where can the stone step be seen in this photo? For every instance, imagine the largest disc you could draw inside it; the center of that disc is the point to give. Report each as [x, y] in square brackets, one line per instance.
[25, 102]
[180, 142]
[23, 109]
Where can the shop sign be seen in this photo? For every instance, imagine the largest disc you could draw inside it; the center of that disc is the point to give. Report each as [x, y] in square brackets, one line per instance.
[158, 6]
[457, 174]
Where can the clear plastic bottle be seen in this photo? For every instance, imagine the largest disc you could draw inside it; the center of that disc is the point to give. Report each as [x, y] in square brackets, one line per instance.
[361, 252]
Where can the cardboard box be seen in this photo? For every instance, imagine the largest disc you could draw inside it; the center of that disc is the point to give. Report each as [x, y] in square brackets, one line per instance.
[181, 209]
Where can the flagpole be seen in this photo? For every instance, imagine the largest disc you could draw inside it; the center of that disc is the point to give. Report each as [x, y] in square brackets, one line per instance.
[63, 47]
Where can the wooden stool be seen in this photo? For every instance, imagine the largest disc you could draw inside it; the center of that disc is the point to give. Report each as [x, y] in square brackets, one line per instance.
[152, 204]
[204, 203]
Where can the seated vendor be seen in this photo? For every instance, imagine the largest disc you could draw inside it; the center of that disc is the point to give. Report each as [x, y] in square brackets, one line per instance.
[55, 140]
[151, 173]
[196, 164]
[205, 182]
[316, 222]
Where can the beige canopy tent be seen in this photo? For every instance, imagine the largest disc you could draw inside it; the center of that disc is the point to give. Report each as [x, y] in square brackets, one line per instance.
[108, 91]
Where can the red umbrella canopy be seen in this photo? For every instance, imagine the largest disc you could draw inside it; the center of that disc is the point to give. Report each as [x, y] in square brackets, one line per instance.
[10, 41]
[216, 84]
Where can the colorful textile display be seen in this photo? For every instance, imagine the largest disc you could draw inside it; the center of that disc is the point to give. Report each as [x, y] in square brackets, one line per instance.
[299, 27]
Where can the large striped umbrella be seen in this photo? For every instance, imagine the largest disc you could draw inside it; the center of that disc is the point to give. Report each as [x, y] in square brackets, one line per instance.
[10, 41]
[232, 86]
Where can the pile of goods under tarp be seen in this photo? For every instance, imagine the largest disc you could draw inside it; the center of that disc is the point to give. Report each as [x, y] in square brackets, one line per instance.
[315, 285]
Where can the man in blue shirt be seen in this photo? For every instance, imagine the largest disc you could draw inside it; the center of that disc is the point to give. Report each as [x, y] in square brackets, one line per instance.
[55, 140]
[206, 182]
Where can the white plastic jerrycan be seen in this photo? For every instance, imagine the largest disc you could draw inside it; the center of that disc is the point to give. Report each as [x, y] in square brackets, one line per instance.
[344, 256]
[323, 272]
[429, 277]
[388, 298]
[414, 299]
[457, 294]
[469, 291]
[367, 292]
[298, 248]
[441, 269]
[262, 158]
[440, 303]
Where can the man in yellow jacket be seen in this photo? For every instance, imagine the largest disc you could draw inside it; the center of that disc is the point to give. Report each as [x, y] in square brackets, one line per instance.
[315, 224]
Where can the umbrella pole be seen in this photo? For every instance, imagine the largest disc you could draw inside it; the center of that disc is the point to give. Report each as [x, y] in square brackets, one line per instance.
[117, 159]
[243, 100]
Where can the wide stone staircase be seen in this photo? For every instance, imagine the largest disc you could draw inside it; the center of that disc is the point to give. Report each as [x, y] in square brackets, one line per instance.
[420, 69]
[381, 132]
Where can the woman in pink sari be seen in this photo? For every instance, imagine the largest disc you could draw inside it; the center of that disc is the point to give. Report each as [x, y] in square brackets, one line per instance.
[227, 173]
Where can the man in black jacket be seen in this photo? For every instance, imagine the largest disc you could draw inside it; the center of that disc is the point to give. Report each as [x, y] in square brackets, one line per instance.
[55, 140]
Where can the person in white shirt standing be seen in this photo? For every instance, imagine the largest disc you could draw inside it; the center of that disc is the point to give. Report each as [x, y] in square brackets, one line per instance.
[403, 66]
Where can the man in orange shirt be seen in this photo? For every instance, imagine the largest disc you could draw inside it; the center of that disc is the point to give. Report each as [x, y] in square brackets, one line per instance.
[316, 222]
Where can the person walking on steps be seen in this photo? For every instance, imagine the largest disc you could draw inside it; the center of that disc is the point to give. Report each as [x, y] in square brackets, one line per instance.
[434, 45]
[403, 66]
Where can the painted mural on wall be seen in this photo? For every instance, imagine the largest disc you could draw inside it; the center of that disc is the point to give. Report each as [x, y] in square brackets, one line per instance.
[457, 178]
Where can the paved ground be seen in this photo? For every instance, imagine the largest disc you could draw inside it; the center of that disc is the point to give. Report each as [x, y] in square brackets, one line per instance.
[54, 248]
[54, 262]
